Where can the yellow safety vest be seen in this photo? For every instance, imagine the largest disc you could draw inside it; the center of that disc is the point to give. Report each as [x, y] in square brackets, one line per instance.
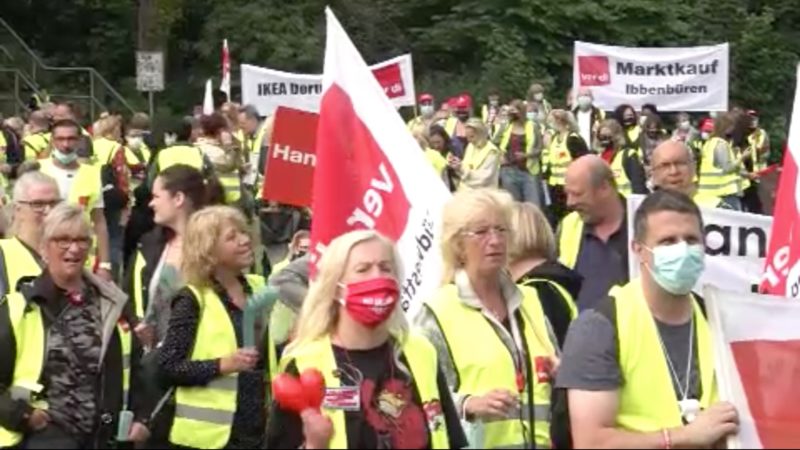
[534, 166]
[137, 296]
[633, 134]
[756, 141]
[559, 159]
[706, 201]
[436, 160]
[232, 185]
[713, 181]
[565, 295]
[450, 126]
[104, 149]
[36, 146]
[484, 363]
[179, 154]
[624, 186]
[22, 263]
[30, 336]
[475, 157]
[647, 401]
[569, 239]
[414, 123]
[204, 414]
[422, 361]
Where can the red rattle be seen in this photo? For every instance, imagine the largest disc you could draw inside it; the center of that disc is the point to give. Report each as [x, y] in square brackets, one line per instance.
[299, 394]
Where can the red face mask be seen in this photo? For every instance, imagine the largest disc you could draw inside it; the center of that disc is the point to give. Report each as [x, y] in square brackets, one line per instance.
[371, 302]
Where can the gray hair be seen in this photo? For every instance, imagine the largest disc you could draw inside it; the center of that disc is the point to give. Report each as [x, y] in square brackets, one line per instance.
[64, 216]
[250, 111]
[30, 179]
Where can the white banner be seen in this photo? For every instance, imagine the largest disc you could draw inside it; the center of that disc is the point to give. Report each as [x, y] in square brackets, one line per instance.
[673, 79]
[268, 88]
[736, 247]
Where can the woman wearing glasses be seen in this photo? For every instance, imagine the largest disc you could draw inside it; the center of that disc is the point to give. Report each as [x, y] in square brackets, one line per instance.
[494, 343]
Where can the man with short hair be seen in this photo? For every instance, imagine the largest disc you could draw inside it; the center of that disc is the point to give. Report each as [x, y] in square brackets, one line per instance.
[593, 239]
[81, 185]
[673, 167]
[255, 136]
[588, 116]
[638, 369]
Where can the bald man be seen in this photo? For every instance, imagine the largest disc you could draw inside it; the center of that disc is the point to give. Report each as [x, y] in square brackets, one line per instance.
[673, 167]
[587, 115]
[593, 239]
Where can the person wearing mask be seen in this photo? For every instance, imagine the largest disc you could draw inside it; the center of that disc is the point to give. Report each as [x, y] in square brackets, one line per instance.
[427, 109]
[181, 150]
[626, 115]
[138, 148]
[593, 239]
[36, 142]
[720, 167]
[225, 160]
[587, 115]
[299, 246]
[538, 104]
[80, 185]
[69, 359]
[758, 143]
[639, 369]
[673, 168]
[214, 354]
[481, 164]
[684, 130]
[653, 135]
[521, 145]
[533, 261]
[626, 163]
[439, 140]
[565, 146]
[35, 194]
[493, 339]
[648, 109]
[153, 276]
[367, 350]
[490, 112]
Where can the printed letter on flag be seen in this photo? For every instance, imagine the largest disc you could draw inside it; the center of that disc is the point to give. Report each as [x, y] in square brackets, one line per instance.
[371, 173]
[782, 271]
[757, 351]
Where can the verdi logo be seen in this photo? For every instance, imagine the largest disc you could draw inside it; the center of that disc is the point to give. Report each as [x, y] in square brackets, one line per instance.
[594, 71]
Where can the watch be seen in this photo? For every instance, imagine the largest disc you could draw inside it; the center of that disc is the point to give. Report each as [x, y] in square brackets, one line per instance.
[105, 266]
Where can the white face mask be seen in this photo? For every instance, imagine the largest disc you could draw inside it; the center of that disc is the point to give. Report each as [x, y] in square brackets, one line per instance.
[538, 97]
[584, 101]
[705, 135]
[134, 142]
[426, 110]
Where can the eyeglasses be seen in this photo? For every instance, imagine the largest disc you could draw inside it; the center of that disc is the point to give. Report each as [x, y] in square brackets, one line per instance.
[484, 232]
[65, 243]
[668, 166]
[40, 205]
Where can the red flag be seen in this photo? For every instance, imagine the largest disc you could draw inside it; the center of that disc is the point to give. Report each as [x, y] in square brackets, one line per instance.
[370, 172]
[757, 346]
[782, 271]
[225, 84]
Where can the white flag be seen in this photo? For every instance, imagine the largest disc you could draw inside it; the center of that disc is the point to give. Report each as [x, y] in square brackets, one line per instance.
[225, 83]
[208, 99]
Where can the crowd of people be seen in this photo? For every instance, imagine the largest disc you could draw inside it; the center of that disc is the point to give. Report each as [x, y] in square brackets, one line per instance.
[140, 310]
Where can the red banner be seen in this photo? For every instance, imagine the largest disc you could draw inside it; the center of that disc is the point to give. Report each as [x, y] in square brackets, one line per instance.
[289, 171]
[390, 80]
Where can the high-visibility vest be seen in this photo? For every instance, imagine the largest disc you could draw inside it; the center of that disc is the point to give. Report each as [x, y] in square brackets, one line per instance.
[19, 263]
[450, 125]
[565, 295]
[422, 360]
[647, 400]
[570, 234]
[253, 145]
[139, 289]
[713, 181]
[36, 146]
[104, 149]
[706, 201]
[632, 135]
[756, 141]
[30, 337]
[414, 123]
[204, 414]
[180, 154]
[624, 186]
[436, 160]
[474, 159]
[559, 159]
[484, 363]
[533, 164]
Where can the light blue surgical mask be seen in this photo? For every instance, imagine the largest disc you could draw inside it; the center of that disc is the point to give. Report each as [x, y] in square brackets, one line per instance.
[65, 158]
[530, 115]
[677, 267]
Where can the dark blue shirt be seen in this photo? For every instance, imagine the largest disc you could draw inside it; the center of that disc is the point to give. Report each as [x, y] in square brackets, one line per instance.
[602, 264]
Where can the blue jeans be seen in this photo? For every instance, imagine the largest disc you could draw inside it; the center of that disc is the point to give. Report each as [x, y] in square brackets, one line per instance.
[523, 186]
[734, 201]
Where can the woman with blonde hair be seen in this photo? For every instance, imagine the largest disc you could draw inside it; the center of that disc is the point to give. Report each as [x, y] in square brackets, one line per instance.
[384, 389]
[493, 339]
[217, 351]
[481, 164]
[534, 263]
[566, 145]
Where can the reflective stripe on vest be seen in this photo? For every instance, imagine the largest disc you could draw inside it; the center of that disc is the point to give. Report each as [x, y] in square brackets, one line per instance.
[756, 141]
[559, 158]
[484, 363]
[139, 266]
[647, 399]
[624, 186]
[232, 185]
[23, 263]
[422, 361]
[565, 295]
[180, 154]
[126, 344]
[204, 414]
[713, 181]
[569, 239]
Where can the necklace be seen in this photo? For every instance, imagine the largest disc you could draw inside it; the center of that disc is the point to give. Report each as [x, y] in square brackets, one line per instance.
[688, 407]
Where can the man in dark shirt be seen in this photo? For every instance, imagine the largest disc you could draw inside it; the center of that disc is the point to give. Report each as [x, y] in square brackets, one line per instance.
[602, 257]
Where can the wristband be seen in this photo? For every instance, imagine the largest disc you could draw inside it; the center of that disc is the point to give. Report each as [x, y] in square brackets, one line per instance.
[105, 266]
[667, 444]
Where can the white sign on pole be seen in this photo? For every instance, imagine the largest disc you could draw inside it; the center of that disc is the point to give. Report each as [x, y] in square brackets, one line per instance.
[149, 71]
[267, 89]
[736, 247]
[673, 79]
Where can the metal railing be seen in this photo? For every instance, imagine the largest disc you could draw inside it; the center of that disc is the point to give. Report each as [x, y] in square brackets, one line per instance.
[82, 85]
[21, 88]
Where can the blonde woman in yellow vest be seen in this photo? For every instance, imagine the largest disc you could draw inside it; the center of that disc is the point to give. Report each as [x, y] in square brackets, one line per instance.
[565, 146]
[520, 143]
[383, 385]
[626, 162]
[218, 353]
[35, 194]
[639, 367]
[72, 358]
[673, 167]
[494, 341]
[481, 164]
[721, 166]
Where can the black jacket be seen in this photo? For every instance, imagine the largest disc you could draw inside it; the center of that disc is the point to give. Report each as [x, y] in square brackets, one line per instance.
[150, 248]
[44, 293]
[553, 304]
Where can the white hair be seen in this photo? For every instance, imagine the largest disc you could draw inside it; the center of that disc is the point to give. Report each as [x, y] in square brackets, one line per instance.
[30, 179]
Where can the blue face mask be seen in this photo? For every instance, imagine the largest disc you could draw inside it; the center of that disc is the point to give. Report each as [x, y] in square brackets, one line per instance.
[65, 158]
[677, 267]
